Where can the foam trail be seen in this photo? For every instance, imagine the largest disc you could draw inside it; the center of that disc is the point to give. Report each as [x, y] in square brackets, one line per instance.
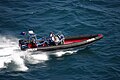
[3, 61]
[36, 58]
[9, 57]
[61, 53]
[16, 64]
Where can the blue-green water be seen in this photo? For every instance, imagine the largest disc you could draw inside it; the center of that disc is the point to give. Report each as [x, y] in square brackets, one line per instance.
[100, 61]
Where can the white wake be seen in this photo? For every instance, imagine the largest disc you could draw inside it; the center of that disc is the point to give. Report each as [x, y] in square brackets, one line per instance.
[12, 58]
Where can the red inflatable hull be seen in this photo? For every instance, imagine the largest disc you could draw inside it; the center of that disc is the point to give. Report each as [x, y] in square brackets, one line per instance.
[72, 42]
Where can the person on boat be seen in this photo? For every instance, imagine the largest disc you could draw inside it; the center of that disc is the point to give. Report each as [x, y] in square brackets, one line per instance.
[54, 40]
[61, 38]
[32, 39]
[57, 41]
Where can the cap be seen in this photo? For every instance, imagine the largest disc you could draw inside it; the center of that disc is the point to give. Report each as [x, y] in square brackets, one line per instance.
[30, 32]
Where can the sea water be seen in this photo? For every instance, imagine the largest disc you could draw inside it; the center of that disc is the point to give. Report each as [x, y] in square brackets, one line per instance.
[99, 61]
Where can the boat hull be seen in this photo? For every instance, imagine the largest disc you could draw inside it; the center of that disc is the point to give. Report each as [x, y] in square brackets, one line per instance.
[72, 42]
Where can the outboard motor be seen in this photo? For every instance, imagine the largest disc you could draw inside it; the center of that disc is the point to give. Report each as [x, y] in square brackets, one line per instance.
[23, 45]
